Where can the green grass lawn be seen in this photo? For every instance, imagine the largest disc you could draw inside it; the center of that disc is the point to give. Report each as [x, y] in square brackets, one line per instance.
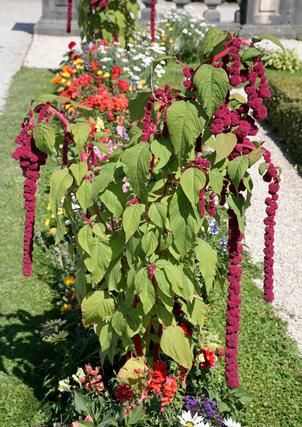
[23, 302]
[270, 367]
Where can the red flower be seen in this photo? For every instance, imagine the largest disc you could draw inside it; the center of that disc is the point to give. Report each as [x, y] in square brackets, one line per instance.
[123, 393]
[124, 85]
[71, 45]
[169, 389]
[187, 330]
[116, 71]
[207, 358]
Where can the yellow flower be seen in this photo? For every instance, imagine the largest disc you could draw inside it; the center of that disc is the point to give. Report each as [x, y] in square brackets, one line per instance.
[142, 82]
[130, 88]
[47, 222]
[99, 72]
[52, 231]
[69, 281]
[107, 75]
[171, 40]
[162, 43]
[78, 61]
[99, 124]
[80, 67]
[63, 81]
[65, 74]
[139, 87]
[168, 24]
[66, 307]
[60, 211]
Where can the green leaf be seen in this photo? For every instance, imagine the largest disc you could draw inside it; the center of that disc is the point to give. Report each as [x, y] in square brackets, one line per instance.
[162, 150]
[207, 262]
[45, 137]
[212, 38]
[60, 182]
[145, 289]
[79, 170]
[137, 105]
[137, 162]
[131, 219]
[185, 123]
[175, 345]
[80, 132]
[263, 168]
[255, 155]
[85, 238]
[195, 311]
[98, 306]
[215, 180]
[112, 202]
[236, 203]
[158, 214]
[80, 402]
[135, 415]
[212, 85]
[236, 169]
[270, 37]
[162, 281]
[84, 196]
[99, 260]
[149, 242]
[250, 53]
[102, 181]
[224, 145]
[192, 181]
[183, 222]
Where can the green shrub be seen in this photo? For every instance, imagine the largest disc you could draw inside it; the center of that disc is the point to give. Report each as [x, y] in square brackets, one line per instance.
[285, 114]
[283, 60]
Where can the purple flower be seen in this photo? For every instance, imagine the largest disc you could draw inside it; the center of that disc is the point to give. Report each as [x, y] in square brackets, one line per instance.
[213, 227]
[223, 244]
[191, 403]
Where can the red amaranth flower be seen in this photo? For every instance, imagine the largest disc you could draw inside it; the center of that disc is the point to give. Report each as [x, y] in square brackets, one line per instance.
[69, 16]
[123, 393]
[152, 19]
[187, 329]
[233, 304]
[30, 159]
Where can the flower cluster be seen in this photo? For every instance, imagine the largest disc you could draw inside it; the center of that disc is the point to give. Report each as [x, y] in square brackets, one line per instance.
[272, 177]
[30, 159]
[161, 384]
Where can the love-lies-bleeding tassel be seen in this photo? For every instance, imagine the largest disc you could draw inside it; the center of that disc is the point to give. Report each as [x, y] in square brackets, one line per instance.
[235, 249]
[69, 16]
[152, 19]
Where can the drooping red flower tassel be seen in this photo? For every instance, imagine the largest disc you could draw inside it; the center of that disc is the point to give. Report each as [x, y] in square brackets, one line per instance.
[69, 16]
[212, 205]
[272, 177]
[233, 304]
[30, 159]
[152, 19]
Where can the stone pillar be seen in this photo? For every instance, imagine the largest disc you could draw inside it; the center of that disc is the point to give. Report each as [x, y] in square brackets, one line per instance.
[54, 17]
[211, 14]
[181, 3]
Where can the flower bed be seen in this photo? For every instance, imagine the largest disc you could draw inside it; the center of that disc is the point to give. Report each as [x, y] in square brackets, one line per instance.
[137, 193]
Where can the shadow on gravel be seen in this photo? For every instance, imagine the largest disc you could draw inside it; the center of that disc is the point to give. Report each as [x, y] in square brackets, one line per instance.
[26, 27]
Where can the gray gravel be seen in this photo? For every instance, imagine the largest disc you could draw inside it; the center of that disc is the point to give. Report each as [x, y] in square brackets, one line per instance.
[288, 237]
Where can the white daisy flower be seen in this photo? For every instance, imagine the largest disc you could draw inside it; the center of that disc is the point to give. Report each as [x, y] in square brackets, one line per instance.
[186, 419]
[231, 423]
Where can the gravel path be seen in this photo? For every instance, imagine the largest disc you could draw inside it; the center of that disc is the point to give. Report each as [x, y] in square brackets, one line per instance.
[288, 238]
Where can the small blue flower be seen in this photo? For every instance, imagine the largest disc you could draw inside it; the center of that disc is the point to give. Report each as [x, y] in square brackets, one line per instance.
[223, 244]
[213, 227]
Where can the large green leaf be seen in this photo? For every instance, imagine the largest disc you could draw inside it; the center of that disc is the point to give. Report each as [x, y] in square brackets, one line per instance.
[137, 162]
[158, 214]
[175, 345]
[112, 202]
[45, 137]
[224, 145]
[212, 38]
[60, 182]
[236, 169]
[149, 242]
[212, 85]
[85, 238]
[182, 221]
[215, 180]
[195, 311]
[192, 181]
[137, 105]
[98, 306]
[79, 170]
[185, 123]
[84, 196]
[131, 219]
[145, 290]
[102, 181]
[207, 261]
[162, 150]
[237, 204]
[80, 132]
[99, 260]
